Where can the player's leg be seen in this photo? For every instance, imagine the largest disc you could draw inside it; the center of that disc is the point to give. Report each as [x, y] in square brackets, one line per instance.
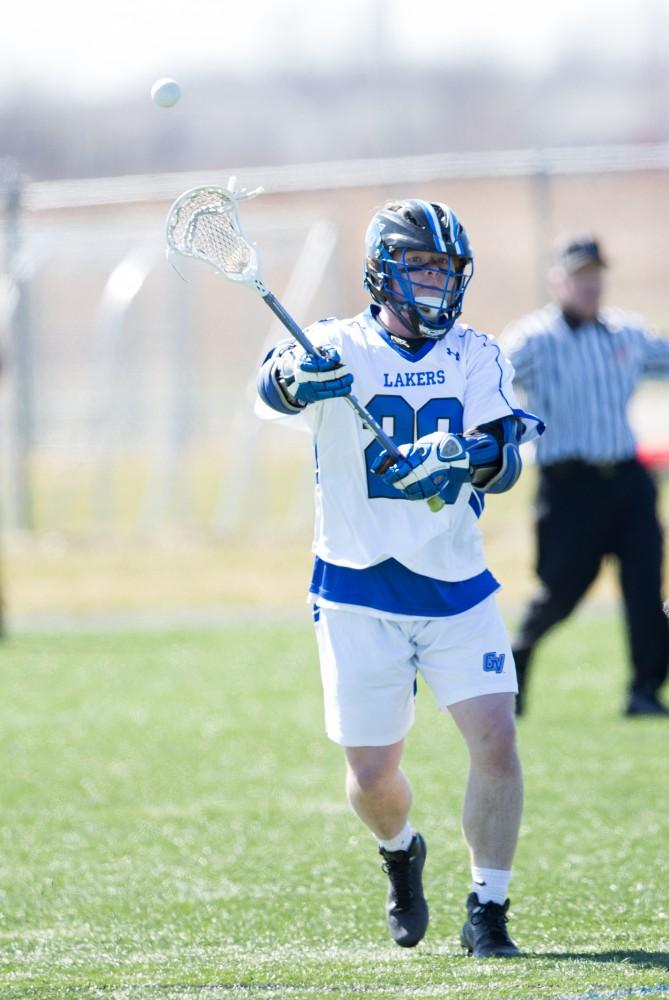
[491, 817]
[638, 545]
[466, 660]
[378, 791]
[494, 796]
[571, 539]
[368, 678]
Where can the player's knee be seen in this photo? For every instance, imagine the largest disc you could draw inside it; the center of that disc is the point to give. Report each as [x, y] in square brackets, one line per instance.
[370, 774]
[496, 748]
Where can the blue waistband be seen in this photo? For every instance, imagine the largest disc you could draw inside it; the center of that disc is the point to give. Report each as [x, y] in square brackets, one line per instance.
[390, 586]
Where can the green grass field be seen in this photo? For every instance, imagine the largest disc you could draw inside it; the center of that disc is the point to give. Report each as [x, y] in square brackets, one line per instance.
[174, 825]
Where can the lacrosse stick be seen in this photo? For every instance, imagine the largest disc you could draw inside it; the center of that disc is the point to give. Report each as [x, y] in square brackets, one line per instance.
[204, 223]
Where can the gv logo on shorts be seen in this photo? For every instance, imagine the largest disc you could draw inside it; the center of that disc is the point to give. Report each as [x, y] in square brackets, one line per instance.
[493, 662]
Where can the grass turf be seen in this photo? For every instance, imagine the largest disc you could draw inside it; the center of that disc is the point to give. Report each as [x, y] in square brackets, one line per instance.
[174, 825]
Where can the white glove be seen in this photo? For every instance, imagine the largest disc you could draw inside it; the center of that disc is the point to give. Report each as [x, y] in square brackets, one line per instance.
[436, 464]
[309, 378]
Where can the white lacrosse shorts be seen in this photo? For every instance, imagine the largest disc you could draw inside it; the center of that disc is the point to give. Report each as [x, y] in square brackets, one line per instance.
[369, 665]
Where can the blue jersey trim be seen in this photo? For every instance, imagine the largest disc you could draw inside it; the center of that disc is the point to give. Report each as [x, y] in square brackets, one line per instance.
[390, 586]
[530, 433]
[407, 355]
[477, 502]
[498, 352]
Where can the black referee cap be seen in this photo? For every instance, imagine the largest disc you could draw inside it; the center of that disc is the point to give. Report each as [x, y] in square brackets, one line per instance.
[577, 251]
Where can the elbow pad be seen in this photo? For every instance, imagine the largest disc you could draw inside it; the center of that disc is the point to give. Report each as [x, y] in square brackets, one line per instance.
[271, 379]
[494, 456]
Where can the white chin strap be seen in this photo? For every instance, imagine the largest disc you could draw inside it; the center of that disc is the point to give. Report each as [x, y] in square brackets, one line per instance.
[430, 309]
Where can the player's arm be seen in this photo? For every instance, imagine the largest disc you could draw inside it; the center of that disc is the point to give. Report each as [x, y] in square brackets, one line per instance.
[494, 456]
[519, 350]
[290, 379]
[655, 354]
[488, 457]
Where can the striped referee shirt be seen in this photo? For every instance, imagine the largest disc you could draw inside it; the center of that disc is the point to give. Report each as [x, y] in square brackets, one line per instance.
[581, 378]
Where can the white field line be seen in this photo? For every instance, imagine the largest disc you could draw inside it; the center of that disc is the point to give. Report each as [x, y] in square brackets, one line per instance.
[634, 991]
[167, 990]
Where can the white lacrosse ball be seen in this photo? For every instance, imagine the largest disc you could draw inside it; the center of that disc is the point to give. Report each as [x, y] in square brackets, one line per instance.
[165, 92]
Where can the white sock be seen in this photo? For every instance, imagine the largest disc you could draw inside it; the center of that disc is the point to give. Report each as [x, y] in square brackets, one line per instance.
[490, 884]
[399, 843]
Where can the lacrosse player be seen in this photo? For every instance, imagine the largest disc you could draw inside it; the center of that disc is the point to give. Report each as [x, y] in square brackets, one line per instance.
[399, 590]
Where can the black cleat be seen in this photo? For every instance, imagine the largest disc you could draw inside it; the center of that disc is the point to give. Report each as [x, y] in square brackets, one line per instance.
[406, 908]
[645, 704]
[485, 934]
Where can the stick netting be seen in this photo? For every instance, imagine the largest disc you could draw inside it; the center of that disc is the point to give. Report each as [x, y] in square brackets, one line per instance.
[205, 225]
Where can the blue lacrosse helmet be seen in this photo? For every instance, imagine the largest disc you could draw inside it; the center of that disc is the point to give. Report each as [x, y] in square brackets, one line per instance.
[426, 294]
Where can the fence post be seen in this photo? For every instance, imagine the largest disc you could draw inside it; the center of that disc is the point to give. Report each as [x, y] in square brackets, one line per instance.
[20, 360]
[543, 222]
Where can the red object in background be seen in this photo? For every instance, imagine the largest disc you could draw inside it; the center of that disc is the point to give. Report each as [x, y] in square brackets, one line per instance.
[654, 456]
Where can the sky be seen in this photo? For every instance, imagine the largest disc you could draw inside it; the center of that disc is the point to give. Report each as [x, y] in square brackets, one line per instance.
[92, 50]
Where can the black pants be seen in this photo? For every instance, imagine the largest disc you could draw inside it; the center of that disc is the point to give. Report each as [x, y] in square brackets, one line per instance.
[585, 512]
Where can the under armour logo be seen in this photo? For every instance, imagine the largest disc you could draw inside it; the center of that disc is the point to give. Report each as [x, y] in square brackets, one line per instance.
[454, 354]
[494, 662]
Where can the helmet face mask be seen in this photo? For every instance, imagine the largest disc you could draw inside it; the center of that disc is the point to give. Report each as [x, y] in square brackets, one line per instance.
[434, 290]
[418, 265]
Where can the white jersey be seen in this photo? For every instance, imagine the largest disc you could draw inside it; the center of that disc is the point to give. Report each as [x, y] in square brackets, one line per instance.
[452, 384]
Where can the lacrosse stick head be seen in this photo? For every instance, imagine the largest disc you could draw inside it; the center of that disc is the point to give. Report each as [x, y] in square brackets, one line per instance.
[204, 223]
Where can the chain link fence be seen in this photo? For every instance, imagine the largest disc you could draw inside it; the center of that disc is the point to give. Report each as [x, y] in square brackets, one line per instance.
[126, 395]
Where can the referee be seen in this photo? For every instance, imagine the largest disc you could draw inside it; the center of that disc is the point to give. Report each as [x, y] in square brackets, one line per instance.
[578, 365]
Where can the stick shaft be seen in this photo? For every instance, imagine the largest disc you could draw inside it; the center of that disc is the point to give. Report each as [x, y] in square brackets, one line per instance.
[281, 313]
[434, 503]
